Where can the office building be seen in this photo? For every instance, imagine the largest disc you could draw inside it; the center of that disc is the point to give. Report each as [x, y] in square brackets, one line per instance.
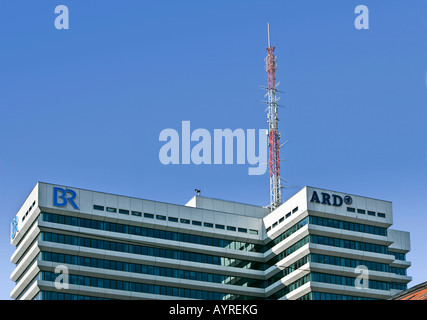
[74, 243]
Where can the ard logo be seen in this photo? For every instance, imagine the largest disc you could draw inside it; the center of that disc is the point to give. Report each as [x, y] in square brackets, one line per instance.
[61, 197]
[331, 200]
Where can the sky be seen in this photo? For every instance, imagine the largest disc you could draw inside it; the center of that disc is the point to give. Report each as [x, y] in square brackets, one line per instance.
[84, 106]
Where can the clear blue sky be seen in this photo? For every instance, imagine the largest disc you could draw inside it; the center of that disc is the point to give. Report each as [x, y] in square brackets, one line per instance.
[84, 107]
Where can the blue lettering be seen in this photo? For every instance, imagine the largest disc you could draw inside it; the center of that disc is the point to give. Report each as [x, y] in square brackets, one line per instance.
[63, 197]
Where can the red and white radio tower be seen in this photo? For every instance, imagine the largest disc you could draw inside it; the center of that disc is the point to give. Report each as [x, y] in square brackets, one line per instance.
[273, 129]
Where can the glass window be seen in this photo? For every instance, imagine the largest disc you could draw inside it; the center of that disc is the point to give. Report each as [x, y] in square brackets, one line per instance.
[123, 211]
[160, 217]
[96, 207]
[208, 224]
[196, 223]
[148, 215]
[220, 226]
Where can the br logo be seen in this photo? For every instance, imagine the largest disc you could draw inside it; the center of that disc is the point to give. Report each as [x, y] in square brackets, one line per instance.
[14, 227]
[63, 196]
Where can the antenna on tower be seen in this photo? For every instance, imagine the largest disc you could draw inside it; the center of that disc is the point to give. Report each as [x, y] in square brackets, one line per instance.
[273, 129]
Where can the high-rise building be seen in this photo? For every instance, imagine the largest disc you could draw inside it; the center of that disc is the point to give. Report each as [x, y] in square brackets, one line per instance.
[73, 243]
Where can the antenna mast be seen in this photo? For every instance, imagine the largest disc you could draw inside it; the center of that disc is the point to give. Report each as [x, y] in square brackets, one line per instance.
[273, 129]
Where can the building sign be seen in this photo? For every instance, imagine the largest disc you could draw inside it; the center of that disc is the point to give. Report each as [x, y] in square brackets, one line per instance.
[14, 228]
[330, 199]
[61, 197]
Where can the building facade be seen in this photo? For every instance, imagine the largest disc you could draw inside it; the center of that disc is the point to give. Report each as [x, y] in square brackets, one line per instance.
[73, 243]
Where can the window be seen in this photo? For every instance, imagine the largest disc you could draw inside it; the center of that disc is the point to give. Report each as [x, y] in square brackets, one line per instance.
[288, 214]
[137, 213]
[274, 224]
[349, 209]
[361, 211]
[186, 221]
[268, 229]
[371, 213]
[252, 231]
[281, 219]
[96, 207]
[148, 215]
[244, 230]
[295, 210]
[160, 217]
[173, 219]
[220, 226]
[111, 209]
[381, 215]
[196, 223]
[123, 211]
[230, 228]
[208, 224]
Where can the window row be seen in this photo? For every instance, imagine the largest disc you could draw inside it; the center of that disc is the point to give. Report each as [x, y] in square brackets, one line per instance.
[150, 232]
[150, 270]
[351, 226]
[275, 224]
[330, 296]
[174, 219]
[362, 211]
[143, 287]
[348, 281]
[51, 295]
[352, 263]
[150, 251]
[349, 244]
[398, 256]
